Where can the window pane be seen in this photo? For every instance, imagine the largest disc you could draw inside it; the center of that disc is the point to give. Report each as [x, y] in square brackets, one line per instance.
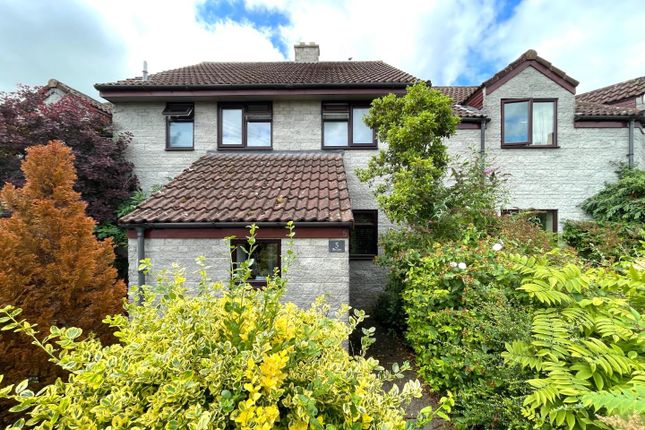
[335, 133]
[543, 130]
[258, 134]
[266, 258]
[363, 237]
[516, 122]
[361, 133]
[231, 126]
[181, 134]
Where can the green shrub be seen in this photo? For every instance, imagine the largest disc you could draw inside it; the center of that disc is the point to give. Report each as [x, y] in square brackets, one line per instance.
[621, 201]
[461, 308]
[228, 357]
[587, 343]
[603, 243]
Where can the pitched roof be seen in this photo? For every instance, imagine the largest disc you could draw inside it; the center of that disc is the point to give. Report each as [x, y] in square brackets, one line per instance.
[105, 108]
[616, 92]
[590, 109]
[252, 187]
[271, 74]
[530, 55]
[457, 93]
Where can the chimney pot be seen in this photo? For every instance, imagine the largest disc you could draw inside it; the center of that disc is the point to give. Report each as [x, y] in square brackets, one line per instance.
[145, 71]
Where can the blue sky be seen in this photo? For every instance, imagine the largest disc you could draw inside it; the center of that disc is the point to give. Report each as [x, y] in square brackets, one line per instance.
[450, 42]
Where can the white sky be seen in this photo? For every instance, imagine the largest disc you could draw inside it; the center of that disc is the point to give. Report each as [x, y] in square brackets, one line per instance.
[81, 42]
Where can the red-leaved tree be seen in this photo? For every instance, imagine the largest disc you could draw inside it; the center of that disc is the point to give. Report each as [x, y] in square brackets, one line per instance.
[51, 265]
[105, 177]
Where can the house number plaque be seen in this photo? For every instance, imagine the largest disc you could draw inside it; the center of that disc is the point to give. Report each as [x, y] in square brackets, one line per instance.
[336, 246]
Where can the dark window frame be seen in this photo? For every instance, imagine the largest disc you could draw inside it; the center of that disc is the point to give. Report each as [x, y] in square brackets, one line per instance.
[350, 126]
[190, 117]
[235, 243]
[529, 144]
[554, 212]
[374, 222]
[245, 120]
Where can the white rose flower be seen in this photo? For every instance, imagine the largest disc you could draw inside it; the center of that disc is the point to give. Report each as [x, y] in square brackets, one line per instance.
[462, 266]
[497, 247]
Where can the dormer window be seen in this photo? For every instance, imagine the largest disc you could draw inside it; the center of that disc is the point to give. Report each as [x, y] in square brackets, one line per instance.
[179, 126]
[245, 126]
[343, 126]
[529, 123]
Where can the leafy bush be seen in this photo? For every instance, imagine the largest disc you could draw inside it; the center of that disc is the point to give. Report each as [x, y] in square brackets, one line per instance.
[51, 265]
[461, 308]
[603, 242]
[621, 201]
[105, 177]
[587, 343]
[228, 357]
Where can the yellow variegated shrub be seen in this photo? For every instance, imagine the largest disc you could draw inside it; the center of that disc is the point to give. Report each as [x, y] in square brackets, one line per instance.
[229, 357]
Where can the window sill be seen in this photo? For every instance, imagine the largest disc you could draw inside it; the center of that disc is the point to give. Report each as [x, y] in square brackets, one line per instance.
[239, 148]
[351, 148]
[362, 257]
[180, 149]
[530, 146]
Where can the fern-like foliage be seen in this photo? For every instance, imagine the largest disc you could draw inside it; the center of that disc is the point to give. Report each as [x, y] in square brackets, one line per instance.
[587, 343]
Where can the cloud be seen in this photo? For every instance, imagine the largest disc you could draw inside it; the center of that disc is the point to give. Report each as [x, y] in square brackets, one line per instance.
[82, 42]
[596, 42]
[68, 41]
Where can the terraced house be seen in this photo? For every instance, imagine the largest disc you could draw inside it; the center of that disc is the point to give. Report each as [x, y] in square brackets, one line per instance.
[272, 142]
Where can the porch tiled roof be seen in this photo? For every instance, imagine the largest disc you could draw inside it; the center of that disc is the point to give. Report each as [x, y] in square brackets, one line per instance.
[252, 187]
[589, 109]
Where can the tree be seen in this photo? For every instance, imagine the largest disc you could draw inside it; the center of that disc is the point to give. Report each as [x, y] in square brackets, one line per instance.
[408, 175]
[105, 177]
[51, 265]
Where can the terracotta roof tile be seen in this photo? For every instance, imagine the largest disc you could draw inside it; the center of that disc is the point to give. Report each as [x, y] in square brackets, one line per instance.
[246, 187]
[271, 74]
[589, 109]
[457, 93]
[615, 93]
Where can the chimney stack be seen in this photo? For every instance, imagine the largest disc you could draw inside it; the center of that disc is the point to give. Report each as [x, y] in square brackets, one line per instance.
[145, 71]
[307, 53]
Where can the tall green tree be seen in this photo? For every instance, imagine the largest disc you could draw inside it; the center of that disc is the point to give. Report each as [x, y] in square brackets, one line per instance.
[406, 176]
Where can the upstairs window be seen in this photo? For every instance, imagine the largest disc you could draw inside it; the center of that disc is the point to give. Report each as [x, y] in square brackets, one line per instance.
[179, 126]
[245, 126]
[363, 239]
[343, 126]
[547, 219]
[529, 123]
[266, 259]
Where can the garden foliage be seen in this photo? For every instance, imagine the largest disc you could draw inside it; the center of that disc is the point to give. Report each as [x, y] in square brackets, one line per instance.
[620, 201]
[604, 242]
[461, 308]
[51, 265]
[587, 343]
[220, 357]
[105, 177]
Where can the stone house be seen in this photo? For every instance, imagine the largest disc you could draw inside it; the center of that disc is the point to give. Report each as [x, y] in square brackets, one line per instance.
[268, 143]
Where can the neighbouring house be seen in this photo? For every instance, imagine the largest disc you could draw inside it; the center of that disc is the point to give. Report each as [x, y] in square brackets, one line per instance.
[271, 142]
[55, 90]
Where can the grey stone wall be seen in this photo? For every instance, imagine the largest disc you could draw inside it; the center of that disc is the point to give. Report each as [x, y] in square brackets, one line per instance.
[315, 272]
[153, 164]
[554, 178]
